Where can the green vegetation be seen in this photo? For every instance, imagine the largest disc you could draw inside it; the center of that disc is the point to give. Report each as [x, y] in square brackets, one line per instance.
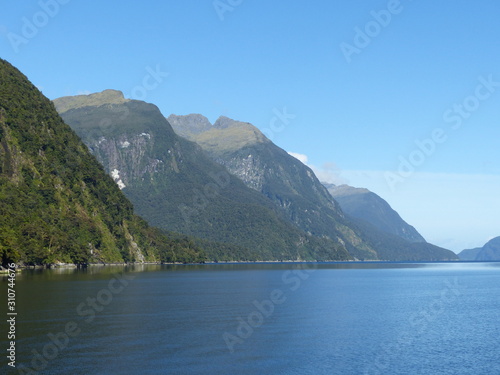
[298, 195]
[57, 204]
[175, 186]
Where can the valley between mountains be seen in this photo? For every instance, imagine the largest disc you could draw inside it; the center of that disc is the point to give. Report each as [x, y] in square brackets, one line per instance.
[101, 178]
[228, 184]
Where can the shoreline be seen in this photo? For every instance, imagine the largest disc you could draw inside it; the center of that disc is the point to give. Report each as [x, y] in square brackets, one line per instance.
[99, 265]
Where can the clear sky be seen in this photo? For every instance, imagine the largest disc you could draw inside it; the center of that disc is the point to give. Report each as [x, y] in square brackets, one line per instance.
[401, 97]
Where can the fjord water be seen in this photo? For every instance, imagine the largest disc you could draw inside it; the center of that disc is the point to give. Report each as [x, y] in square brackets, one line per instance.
[338, 318]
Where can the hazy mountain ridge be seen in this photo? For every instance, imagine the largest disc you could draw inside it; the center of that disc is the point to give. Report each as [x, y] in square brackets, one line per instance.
[294, 188]
[365, 205]
[176, 186]
[489, 252]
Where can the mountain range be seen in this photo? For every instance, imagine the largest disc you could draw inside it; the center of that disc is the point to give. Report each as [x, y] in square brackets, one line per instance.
[176, 186]
[220, 192]
[489, 252]
[295, 190]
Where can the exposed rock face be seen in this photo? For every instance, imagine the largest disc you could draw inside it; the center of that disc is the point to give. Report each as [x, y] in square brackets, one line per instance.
[126, 156]
[294, 189]
[250, 170]
[176, 186]
[199, 124]
[58, 205]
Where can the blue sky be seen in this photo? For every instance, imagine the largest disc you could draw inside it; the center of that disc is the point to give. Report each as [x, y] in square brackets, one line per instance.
[400, 97]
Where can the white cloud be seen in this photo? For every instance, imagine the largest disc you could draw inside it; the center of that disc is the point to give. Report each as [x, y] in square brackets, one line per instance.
[303, 158]
[329, 172]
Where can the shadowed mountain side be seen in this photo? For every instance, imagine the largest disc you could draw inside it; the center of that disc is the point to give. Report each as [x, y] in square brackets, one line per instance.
[174, 185]
[57, 204]
[290, 185]
[489, 252]
[368, 206]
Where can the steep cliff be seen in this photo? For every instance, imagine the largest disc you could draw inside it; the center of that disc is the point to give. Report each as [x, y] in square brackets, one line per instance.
[176, 186]
[57, 204]
[294, 189]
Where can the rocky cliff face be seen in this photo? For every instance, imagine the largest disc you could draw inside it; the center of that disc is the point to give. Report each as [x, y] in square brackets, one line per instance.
[174, 185]
[294, 189]
[281, 178]
[57, 203]
[128, 152]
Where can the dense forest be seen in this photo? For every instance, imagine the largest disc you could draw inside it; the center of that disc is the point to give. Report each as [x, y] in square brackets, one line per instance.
[57, 204]
[176, 186]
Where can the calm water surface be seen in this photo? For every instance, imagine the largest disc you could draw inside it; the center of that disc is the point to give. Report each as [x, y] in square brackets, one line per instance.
[376, 318]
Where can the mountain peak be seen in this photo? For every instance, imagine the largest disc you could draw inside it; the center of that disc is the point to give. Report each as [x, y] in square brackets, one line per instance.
[343, 190]
[190, 125]
[225, 135]
[224, 122]
[96, 99]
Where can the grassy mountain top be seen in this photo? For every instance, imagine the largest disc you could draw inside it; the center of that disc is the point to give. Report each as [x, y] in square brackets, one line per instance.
[225, 135]
[344, 190]
[79, 101]
[175, 186]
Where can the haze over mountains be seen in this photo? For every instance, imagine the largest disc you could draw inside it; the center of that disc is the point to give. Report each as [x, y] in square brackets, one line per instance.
[176, 186]
[369, 207]
[237, 194]
[294, 188]
[489, 252]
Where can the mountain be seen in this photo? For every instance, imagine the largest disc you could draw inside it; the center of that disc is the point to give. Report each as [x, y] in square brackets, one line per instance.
[174, 185]
[282, 179]
[368, 206]
[57, 204]
[294, 189]
[489, 252]
[469, 254]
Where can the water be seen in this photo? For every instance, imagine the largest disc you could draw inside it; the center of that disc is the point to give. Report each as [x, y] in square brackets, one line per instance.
[375, 318]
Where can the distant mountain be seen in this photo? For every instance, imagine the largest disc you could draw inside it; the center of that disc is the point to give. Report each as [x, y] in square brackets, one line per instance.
[174, 185]
[57, 205]
[469, 254]
[294, 189]
[489, 252]
[368, 206]
[283, 180]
